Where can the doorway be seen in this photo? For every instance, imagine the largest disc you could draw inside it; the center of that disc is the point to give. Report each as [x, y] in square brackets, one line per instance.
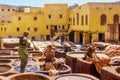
[101, 37]
[71, 36]
[55, 28]
[33, 38]
[81, 38]
[119, 31]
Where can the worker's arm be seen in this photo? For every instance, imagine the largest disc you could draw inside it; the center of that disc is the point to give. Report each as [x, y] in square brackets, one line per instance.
[44, 54]
[87, 51]
[85, 54]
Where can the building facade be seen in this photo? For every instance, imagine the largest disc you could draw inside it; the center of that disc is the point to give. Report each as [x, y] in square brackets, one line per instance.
[81, 24]
[5, 12]
[40, 22]
[95, 22]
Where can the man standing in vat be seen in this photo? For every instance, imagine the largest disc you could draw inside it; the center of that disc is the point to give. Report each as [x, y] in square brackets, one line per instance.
[23, 43]
[89, 53]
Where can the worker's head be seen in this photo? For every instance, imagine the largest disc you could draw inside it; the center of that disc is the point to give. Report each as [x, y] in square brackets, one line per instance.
[49, 47]
[26, 33]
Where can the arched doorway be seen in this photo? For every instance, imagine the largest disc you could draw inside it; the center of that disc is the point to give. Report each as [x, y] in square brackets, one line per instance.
[71, 36]
[116, 18]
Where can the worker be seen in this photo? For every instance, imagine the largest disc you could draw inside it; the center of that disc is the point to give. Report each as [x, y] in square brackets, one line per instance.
[89, 53]
[50, 61]
[23, 43]
[49, 54]
[62, 37]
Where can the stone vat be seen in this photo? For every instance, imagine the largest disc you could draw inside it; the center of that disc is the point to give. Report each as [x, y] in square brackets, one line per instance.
[5, 68]
[28, 76]
[71, 59]
[110, 73]
[75, 77]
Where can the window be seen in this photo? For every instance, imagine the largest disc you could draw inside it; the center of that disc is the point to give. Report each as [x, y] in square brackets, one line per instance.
[55, 27]
[97, 8]
[46, 26]
[47, 37]
[4, 29]
[19, 18]
[18, 29]
[9, 22]
[1, 29]
[28, 29]
[62, 26]
[35, 18]
[73, 21]
[2, 9]
[103, 19]
[77, 18]
[49, 16]
[3, 21]
[59, 26]
[82, 20]
[110, 8]
[60, 15]
[33, 38]
[116, 18]
[8, 9]
[69, 20]
[68, 26]
[35, 29]
[86, 22]
[13, 9]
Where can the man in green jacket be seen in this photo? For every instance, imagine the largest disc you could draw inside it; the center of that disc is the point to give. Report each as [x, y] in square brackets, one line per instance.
[23, 43]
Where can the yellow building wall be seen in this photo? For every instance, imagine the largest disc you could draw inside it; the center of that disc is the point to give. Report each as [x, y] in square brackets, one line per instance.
[6, 11]
[82, 11]
[92, 10]
[27, 21]
[96, 10]
[55, 10]
[36, 10]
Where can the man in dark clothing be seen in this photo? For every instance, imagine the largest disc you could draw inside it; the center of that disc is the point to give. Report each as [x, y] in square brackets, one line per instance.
[49, 54]
[89, 52]
[62, 39]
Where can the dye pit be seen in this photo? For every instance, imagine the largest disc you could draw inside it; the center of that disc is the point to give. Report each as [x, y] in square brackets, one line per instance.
[28, 68]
